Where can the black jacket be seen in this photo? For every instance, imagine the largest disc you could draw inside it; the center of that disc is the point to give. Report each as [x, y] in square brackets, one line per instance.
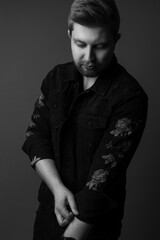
[91, 135]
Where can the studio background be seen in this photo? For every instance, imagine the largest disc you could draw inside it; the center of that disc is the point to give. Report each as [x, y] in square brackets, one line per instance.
[33, 39]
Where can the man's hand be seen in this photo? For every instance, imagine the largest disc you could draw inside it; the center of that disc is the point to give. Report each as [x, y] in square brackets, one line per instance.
[65, 206]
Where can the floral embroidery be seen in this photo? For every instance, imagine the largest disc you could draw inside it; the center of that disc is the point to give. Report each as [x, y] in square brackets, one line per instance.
[118, 151]
[124, 146]
[35, 116]
[32, 124]
[99, 177]
[123, 128]
[29, 133]
[109, 145]
[109, 159]
[34, 160]
[39, 102]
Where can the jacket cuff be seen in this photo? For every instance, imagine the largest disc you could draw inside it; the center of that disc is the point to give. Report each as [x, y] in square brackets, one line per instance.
[93, 205]
[37, 153]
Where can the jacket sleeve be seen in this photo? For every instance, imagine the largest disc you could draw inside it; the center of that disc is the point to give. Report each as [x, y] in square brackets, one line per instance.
[38, 137]
[112, 157]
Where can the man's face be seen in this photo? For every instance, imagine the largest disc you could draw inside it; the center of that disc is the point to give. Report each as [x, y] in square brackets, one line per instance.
[92, 49]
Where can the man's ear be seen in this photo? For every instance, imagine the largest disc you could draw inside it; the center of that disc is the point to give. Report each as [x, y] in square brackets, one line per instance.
[69, 33]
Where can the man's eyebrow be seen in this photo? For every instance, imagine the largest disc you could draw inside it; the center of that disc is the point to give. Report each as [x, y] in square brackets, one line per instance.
[98, 43]
[78, 40]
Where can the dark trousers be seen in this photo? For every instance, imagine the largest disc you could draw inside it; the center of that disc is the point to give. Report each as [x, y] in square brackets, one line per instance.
[46, 227]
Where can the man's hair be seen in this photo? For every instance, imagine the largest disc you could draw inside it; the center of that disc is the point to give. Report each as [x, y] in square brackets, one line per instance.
[94, 13]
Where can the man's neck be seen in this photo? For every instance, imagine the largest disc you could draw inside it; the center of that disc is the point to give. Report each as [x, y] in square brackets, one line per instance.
[88, 82]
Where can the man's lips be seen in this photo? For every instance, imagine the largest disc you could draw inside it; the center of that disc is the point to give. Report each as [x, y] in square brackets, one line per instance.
[89, 67]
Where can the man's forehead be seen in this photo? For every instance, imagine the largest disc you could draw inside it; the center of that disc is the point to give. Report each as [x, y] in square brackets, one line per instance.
[91, 34]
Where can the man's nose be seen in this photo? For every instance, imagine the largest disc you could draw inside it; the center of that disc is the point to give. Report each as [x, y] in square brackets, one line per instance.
[89, 54]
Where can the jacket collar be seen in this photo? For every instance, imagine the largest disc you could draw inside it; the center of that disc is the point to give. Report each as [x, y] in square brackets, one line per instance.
[102, 83]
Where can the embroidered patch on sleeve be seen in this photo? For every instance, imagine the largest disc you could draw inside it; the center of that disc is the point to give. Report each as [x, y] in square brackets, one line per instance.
[36, 116]
[109, 145]
[32, 124]
[114, 152]
[40, 101]
[109, 160]
[29, 133]
[123, 128]
[99, 177]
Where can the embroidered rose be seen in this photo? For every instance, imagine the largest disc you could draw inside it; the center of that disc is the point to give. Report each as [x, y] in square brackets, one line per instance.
[109, 159]
[35, 116]
[123, 128]
[109, 145]
[117, 151]
[99, 177]
[29, 133]
[40, 101]
[32, 124]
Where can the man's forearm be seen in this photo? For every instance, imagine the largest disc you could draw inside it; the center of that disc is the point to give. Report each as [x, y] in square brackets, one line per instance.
[64, 203]
[47, 170]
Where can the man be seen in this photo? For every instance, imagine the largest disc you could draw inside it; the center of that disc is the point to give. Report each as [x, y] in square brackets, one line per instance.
[85, 129]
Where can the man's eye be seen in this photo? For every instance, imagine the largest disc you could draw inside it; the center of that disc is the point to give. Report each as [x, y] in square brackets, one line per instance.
[80, 45]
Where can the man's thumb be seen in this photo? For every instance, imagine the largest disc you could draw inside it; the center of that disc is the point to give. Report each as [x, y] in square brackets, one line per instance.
[73, 205]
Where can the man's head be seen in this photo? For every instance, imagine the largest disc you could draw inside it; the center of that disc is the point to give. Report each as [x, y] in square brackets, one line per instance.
[93, 26]
[93, 13]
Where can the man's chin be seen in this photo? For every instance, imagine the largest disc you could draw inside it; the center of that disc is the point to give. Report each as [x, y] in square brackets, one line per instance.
[88, 73]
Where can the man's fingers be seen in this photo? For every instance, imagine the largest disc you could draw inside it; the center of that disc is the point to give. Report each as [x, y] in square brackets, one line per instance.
[66, 214]
[61, 220]
[73, 205]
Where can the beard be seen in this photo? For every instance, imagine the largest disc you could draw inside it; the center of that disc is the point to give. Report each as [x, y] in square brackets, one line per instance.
[88, 69]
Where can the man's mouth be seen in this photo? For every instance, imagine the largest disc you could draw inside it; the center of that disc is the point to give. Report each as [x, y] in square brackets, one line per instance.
[89, 67]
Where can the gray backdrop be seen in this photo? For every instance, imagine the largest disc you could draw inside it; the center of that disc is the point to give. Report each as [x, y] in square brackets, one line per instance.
[33, 38]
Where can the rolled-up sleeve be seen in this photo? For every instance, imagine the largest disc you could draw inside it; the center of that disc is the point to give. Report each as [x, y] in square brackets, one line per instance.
[112, 157]
[38, 143]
